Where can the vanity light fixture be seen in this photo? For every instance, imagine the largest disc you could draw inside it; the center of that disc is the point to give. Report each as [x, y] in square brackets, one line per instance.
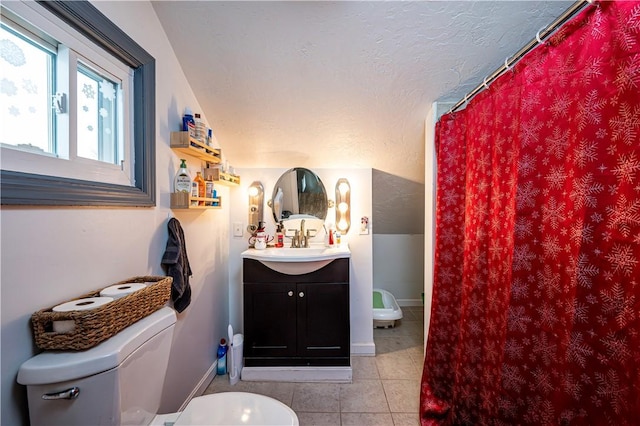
[256, 200]
[343, 205]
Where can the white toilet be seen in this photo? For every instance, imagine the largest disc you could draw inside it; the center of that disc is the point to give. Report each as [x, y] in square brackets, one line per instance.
[119, 382]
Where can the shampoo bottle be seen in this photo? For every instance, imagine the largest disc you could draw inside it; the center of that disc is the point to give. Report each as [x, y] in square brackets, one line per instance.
[182, 181]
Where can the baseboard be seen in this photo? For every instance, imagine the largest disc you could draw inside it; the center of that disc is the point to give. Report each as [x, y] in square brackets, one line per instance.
[363, 349]
[297, 374]
[202, 384]
[409, 302]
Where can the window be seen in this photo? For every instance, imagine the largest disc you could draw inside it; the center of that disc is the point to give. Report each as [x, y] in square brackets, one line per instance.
[78, 106]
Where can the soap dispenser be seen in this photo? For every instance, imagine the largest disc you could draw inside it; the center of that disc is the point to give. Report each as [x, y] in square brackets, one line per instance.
[279, 235]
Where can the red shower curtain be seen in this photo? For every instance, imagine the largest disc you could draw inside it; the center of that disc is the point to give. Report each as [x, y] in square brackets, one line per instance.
[535, 313]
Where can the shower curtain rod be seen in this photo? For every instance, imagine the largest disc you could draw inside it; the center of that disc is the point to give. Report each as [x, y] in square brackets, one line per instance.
[539, 39]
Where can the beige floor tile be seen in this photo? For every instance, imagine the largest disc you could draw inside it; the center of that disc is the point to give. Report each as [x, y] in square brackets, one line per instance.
[417, 355]
[396, 343]
[414, 313]
[403, 396]
[397, 365]
[367, 419]
[318, 419]
[363, 396]
[364, 367]
[316, 397]
[405, 419]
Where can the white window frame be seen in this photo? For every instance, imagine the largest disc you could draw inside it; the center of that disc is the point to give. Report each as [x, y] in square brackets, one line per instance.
[33, 179]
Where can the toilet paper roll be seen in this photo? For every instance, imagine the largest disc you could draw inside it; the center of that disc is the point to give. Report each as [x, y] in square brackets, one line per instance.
[121, 290]
[85, 304]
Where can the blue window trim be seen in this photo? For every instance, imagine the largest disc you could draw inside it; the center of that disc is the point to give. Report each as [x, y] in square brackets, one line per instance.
[19, 188]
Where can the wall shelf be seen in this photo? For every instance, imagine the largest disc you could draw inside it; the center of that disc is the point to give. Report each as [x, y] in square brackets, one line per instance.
[183, 143]
[183, 201]
[214, 174]
[180, 141]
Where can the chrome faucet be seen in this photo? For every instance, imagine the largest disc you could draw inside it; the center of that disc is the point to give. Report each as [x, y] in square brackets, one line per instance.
[304, 236]
[300, 239]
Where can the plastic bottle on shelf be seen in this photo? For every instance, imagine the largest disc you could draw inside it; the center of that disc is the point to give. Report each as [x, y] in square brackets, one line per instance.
[215, 195]
[208, 190]
[194, 192]
[201, 187]
[201, 129]
[182, 181]
[222, 358]
[188, 123]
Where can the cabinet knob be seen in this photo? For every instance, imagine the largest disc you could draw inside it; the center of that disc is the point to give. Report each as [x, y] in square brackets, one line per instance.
[290, 293]
[301, 294]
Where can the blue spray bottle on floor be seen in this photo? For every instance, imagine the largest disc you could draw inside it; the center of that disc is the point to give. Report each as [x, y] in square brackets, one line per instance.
[222, 358]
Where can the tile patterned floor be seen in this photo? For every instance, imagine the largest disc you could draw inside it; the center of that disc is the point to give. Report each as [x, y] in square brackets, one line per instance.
[384, 392]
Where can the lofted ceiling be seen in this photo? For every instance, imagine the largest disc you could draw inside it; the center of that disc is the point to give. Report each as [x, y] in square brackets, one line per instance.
[343, 83]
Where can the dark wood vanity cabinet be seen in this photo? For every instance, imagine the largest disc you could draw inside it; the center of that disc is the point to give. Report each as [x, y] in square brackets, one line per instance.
[296, 320]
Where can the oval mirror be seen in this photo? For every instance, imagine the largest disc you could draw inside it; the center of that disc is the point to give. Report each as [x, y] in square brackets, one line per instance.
[299, 191]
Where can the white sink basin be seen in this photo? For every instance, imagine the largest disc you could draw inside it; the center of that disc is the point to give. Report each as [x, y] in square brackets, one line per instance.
[297, 261]
[288, 254]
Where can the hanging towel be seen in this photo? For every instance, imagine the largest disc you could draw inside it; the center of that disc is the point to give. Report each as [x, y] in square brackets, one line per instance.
[176, 264]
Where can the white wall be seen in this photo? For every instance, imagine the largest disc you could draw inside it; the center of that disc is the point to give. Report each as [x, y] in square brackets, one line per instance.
[398, 266]
[360, 245]
[49, 255]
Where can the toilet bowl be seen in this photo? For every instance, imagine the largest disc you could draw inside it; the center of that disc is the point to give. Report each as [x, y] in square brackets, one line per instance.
[120, 382]
[236, 408]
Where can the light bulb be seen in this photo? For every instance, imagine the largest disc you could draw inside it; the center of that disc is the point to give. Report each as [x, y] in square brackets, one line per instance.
[343, 187]
[342, 225]
[343, 207]
[253, 191]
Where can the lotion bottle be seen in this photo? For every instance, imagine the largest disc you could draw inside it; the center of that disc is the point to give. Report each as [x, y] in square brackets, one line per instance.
[182, 181]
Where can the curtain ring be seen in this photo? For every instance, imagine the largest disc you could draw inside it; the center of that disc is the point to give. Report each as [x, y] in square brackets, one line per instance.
[484, 82]
[506, 64]
[540, 41]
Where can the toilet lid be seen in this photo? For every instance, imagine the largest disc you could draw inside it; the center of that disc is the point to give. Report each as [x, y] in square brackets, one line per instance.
[236, 408]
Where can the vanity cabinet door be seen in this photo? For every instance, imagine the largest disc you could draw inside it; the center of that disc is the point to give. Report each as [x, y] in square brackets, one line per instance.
[270, 317]
[323, 321]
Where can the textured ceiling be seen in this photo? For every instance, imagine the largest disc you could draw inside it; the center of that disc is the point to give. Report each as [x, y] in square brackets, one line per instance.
[339, 84]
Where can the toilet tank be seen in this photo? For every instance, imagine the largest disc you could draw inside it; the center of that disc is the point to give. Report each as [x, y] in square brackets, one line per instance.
[118, 382]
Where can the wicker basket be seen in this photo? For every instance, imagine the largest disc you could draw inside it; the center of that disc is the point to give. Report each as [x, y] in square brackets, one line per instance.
[94, 326]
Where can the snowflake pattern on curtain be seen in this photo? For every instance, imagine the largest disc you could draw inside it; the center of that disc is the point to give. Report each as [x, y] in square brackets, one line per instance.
[536, 303]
